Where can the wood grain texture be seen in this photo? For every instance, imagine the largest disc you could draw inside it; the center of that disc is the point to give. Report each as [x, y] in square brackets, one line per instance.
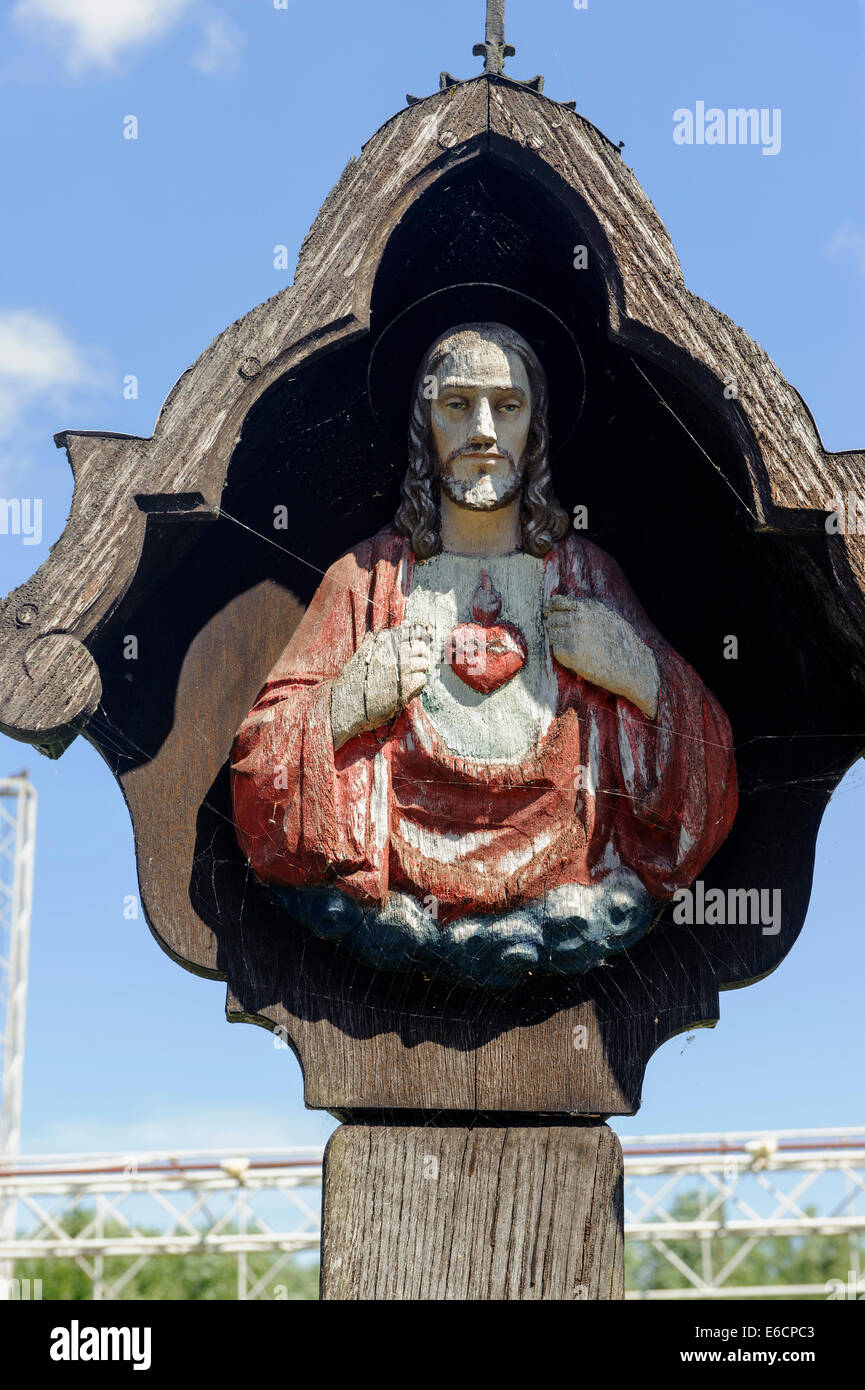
[473, 1214]
[792, 479]
[95, 560]
[171, 539]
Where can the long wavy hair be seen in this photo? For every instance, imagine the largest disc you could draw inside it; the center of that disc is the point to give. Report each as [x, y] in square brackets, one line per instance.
[543, 520]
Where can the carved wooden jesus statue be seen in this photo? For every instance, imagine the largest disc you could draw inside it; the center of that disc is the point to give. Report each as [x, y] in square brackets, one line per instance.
[476, 758]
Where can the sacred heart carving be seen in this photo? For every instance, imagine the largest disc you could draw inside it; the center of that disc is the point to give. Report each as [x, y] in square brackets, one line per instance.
[486, 654]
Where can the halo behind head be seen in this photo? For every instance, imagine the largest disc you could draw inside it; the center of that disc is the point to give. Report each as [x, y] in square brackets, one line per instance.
[403, 348]
[542, 520]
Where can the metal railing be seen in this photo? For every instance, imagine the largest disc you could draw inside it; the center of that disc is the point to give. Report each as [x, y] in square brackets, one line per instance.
[738, 1189]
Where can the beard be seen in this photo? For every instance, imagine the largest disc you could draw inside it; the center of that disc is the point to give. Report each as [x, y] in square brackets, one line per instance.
[481, 491]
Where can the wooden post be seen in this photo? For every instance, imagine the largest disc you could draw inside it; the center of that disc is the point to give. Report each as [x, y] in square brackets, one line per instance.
[506, 1212]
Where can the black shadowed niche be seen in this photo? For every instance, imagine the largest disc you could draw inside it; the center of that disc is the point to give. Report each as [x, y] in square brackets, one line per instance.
[211, 543]
[654, 500]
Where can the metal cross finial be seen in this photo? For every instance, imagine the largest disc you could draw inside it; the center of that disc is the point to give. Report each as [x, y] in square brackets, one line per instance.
[494, 49]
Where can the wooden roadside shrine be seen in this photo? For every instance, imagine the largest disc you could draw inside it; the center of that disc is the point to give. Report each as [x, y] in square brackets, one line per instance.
[472, 1042]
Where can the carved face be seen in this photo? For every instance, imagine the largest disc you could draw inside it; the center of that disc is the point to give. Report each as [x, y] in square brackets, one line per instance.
[481, 414]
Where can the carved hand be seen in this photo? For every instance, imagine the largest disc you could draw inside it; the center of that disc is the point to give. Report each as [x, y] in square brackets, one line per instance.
[388, 670]
[603, 648]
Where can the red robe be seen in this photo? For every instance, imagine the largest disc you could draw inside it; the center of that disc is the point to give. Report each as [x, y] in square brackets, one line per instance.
[606, 786]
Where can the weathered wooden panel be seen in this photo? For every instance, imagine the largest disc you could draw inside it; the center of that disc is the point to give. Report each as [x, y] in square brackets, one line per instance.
[214, 597]
[650, 308]
[367, 1040]
[473, 1214]
[793, 479]
[96, 558]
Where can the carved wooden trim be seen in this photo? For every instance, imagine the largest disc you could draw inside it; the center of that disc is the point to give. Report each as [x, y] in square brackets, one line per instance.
[47, 692]
[138, 500]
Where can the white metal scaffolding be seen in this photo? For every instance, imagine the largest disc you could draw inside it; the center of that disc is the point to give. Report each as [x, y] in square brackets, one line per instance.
[139, 1206]
[17, 845]
[744, 1187]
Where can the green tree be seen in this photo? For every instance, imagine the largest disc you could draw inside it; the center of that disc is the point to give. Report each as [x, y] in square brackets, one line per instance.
[185, 1278]
[811, 1259]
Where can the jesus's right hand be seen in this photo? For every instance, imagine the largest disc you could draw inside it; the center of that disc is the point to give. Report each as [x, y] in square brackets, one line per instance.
[387, 671]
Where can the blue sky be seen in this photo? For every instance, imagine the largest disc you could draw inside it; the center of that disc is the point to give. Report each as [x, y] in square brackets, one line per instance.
[124, 257]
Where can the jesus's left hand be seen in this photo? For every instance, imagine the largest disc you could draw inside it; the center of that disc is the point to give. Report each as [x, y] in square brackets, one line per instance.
[599, 645]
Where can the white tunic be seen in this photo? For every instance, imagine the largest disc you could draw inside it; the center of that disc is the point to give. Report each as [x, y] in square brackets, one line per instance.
[508, 724]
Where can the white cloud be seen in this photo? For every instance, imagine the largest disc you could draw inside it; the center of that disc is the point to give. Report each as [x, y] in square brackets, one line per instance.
[38, 363]
[98, 31]
[849, 243]
[221, 47]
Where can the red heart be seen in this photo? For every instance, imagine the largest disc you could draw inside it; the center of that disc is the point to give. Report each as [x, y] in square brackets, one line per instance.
[486, 657]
